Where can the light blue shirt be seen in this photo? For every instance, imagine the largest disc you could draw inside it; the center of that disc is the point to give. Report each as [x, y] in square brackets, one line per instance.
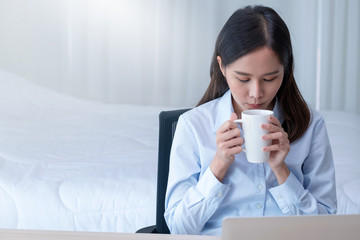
[196, 202]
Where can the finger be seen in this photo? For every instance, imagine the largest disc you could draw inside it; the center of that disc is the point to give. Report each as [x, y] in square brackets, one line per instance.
[230, 122]
[223, 128]
[225, 146]
[278, 138]
[232, 151]
[273, 126]
[227, 135]
[235, 150]
[271, 148]
[234, 142]
[226, 126]
[230, 147]
[272, 119]
[233, 117]
[281, 136]
[275, 147]
[278, 143]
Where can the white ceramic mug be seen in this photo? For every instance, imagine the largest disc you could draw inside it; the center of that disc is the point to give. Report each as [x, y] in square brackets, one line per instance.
[251, 124]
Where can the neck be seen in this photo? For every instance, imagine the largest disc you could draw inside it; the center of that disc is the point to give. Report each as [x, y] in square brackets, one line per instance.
[236, 107]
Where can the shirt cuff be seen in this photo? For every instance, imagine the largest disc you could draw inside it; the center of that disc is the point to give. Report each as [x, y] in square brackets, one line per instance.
[287, 195]
[209, 186]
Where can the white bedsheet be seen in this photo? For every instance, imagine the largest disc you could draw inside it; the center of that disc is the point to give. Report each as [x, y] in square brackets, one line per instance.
[344, 133]
[73, 164]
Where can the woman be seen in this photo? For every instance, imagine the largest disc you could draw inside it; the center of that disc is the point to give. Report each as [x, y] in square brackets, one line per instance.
[209, 176]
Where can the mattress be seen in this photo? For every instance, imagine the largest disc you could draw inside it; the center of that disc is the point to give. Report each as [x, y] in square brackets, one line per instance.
[80, 165]
[344, 133]
[73, 164]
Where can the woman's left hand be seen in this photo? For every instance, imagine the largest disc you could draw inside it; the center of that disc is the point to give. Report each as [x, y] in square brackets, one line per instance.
[279, 148]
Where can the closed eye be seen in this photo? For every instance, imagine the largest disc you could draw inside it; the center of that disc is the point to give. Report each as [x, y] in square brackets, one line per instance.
[243, 80]
[269, 80]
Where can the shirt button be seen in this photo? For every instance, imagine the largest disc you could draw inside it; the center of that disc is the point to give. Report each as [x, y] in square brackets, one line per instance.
[260, 187]
[219, 195]
[258, 206]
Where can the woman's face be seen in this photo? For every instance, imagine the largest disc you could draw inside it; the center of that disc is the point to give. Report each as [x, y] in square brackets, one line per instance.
[254, 79]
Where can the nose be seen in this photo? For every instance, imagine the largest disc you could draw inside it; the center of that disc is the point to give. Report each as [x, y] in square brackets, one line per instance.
[256, 90]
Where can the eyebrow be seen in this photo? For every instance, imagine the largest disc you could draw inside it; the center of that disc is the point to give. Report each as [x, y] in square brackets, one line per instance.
[248, 74]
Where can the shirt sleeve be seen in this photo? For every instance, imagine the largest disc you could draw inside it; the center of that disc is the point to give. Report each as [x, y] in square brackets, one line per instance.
[191, 197]
[316, 194]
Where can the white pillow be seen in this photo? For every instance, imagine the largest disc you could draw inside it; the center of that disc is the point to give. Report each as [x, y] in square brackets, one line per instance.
[352, 190]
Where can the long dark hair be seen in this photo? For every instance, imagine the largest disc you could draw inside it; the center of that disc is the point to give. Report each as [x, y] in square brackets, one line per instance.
[246, 30]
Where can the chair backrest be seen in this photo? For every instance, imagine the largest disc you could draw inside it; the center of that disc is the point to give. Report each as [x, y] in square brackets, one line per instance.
[167, 125]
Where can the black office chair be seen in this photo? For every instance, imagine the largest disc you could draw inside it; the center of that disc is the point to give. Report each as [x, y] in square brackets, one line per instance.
[167, 125]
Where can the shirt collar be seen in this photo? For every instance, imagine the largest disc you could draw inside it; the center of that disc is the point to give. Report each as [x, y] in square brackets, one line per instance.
[278, 111]
[225, 109]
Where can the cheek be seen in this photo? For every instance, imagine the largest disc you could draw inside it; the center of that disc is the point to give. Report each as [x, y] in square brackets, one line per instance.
[239, 92]
[273, 92]
[274, 89]
[235, 85]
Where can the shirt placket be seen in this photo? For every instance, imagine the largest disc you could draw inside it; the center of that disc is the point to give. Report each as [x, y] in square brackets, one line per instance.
[258, 204]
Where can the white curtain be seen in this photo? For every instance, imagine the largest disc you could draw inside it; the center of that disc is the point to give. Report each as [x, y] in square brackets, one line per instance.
[157, 52]
[338, 55]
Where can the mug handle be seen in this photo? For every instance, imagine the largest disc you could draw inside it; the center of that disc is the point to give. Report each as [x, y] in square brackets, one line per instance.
[238, 121]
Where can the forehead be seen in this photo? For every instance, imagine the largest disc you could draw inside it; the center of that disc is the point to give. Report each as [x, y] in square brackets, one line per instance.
[261, 60]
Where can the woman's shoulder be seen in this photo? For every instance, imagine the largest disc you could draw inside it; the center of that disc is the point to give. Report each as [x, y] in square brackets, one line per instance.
[316, 119]
[315, 116]
[316, 125]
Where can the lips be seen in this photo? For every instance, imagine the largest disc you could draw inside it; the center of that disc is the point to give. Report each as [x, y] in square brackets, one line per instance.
[255, 106]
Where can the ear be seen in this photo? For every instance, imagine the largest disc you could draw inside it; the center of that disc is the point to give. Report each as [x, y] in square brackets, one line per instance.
[222, 69]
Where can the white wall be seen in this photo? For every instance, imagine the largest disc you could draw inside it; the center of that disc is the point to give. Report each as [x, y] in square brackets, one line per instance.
[157, 52]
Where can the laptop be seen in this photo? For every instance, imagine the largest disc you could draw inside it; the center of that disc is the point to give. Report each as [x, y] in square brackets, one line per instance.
[327, 227]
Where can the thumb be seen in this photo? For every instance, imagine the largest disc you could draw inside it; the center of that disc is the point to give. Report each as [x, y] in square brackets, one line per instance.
[233, 116]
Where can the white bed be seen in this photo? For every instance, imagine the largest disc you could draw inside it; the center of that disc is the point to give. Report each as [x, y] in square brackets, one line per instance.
[74, 164]
[344, 132]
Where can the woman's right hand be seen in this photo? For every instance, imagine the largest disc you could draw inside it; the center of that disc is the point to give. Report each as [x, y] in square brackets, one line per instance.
[228, 143]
